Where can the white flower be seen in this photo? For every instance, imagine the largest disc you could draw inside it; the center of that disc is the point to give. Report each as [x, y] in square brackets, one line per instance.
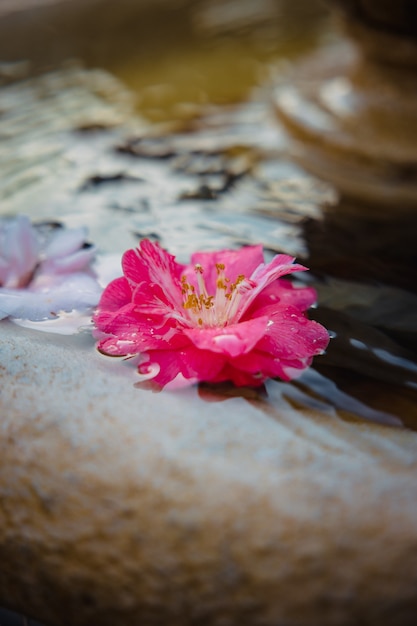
[45, 269]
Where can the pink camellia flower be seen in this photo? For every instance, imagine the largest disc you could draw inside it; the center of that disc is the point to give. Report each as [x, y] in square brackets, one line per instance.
[226, 316]
[44, 269]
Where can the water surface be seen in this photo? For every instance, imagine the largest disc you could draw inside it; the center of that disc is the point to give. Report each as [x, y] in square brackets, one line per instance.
[211, 171]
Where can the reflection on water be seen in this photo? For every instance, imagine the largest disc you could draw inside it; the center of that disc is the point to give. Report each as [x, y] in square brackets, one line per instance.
[175, 56]
[220, 177]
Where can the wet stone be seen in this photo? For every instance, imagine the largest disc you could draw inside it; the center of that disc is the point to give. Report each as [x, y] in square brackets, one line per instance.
[292, 504]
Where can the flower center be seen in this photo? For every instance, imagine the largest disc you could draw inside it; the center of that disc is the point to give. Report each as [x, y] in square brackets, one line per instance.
[218, 309]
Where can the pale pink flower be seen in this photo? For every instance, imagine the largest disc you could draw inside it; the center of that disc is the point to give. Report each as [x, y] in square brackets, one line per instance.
[44, 269]
[226, 316]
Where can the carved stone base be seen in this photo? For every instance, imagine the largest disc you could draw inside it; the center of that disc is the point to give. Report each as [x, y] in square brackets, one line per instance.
[354, 123]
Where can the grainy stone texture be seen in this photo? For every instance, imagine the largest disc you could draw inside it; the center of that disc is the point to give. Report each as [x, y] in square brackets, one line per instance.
[125, 507]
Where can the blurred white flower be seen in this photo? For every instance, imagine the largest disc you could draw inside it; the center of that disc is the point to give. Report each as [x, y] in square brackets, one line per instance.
[45, 270]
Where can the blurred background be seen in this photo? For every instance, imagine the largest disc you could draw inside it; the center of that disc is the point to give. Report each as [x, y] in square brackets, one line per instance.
[174, 54]
[217, 117]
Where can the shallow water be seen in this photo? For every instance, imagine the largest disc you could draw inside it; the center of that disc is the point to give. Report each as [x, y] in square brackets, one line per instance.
[218, 176]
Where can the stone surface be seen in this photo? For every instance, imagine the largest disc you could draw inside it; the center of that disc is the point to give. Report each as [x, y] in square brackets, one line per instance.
[125, 506]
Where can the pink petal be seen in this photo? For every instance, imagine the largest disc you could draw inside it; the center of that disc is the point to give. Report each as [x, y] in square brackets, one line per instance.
[280, 265]
[148, 265]
[264, 275]
[138, 337]
[236, 262]
[260, 366]
[151, 263]
[285, 293]
[291, 335]
[192, 363]
[114, 312]
[151, 299]
[114, 322]
[127, 332]
[116, 294]
[135, 269]
[230, 340]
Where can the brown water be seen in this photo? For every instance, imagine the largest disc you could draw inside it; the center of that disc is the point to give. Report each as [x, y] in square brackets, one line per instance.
[174, 58]
[218, 176]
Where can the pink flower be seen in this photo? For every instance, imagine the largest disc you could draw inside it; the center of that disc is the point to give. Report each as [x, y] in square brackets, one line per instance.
[44, 269]
[226, 316]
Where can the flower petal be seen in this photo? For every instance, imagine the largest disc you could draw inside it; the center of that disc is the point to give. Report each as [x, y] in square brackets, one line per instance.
[265, 274]
[76, 291]
[284, 292]
[151, 299]
[261, 366]
[291, 335]
[64, 242]
[124, 334]
[19, 249]
[150, 265]
[119, 316]
[74, 262]
[236, 262]
[190, 362]
[229, 340]
[44, 270]
[115, 295]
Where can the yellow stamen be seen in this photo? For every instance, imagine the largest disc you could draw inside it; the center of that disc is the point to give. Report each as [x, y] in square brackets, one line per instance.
[220, 309]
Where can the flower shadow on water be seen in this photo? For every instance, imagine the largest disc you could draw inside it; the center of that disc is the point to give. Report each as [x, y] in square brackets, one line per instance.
[223, 391]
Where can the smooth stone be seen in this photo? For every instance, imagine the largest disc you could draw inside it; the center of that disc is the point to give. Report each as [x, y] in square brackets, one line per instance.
[121, 506]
